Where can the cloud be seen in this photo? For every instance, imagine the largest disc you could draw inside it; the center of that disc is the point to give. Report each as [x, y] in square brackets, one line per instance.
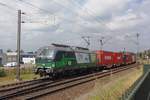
[125, 21]
[65, 21]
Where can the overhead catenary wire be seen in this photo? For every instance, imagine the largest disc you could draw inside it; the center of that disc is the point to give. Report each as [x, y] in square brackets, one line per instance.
[36, 7]
[7, 6]
[92, 13]
[43, 10]
[89, 12]
[9, 10]
[14, 9]
[49, 11]
[134, 40]
[98, 20]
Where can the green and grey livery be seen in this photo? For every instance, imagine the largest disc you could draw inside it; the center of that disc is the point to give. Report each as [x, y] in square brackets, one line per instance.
[58, 59]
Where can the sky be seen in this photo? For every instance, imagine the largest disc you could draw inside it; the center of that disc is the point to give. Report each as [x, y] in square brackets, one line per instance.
[65, 21]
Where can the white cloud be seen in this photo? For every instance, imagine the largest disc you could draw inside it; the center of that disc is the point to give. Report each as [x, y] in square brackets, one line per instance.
[103, 17]
[123, 22]
[102, 7]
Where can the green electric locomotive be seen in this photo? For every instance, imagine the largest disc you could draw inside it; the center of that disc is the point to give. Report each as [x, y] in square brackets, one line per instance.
[62, 59]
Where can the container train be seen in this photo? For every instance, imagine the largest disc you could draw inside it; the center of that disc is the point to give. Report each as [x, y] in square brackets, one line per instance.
[59, 59]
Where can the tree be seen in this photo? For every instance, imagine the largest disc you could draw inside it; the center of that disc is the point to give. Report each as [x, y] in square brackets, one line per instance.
[21, 51]
[9, 50]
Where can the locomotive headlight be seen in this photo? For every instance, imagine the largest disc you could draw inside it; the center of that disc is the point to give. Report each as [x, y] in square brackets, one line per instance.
[53, 65]
[49, 70]
[43, 64]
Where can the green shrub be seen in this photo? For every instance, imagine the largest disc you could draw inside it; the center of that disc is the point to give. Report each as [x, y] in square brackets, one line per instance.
[2, 73]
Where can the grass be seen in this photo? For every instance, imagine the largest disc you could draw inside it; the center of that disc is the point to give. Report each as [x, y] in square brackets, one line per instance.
[26, 74]
[144, 61]
[113, 87]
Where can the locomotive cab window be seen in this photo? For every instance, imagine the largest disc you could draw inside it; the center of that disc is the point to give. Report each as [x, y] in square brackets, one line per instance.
[69, 54]
[59, 55]
[46, 53]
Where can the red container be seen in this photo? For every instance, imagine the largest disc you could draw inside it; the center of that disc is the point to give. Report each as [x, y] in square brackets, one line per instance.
[128, 57]
[105, 58]
[109, 59]
[133, 58]
[118, 58]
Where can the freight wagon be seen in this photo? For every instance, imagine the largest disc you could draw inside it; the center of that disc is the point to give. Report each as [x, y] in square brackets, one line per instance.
[105, 59]
[118, 59]
[130, 58]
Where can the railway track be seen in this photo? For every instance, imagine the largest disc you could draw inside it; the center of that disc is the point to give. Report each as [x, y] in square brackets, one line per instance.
[22, 84]
[38, 88]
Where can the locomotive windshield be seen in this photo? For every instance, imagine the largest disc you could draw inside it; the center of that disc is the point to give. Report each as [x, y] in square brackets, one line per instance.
[46, 53]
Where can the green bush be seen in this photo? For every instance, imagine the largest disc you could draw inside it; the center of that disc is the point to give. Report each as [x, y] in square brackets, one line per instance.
[2, 73]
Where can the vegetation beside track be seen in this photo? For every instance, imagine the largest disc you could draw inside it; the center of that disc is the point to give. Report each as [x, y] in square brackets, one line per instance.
[112, 87]
[116, 87]
[2, 73]
[144, 61]
[7, 75]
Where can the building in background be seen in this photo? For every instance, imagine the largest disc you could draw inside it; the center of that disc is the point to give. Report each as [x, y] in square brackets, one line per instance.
[28, 58]
[10, 58]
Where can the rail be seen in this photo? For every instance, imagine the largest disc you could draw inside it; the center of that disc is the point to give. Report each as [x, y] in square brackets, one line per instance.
[48, 87]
